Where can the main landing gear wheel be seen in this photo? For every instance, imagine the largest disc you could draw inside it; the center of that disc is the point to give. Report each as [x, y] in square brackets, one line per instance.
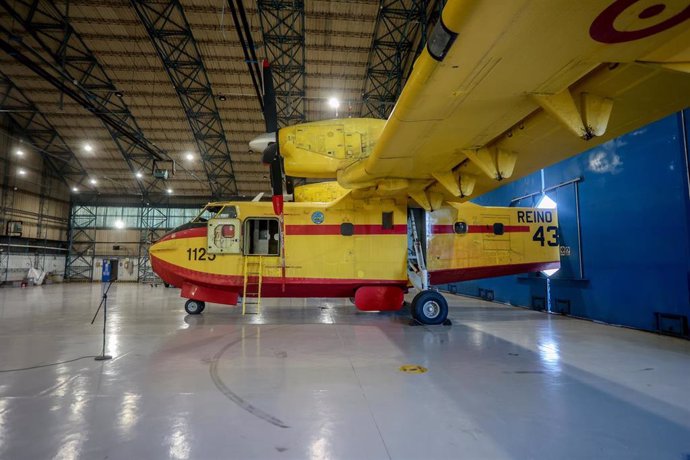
[429, 307]
[194, 307]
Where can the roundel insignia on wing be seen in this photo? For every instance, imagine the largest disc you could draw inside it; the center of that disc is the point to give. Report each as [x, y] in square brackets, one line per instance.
[317, 217]
[604, 30]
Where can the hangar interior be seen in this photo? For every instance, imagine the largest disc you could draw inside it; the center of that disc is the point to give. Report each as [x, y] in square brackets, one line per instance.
[120, 120]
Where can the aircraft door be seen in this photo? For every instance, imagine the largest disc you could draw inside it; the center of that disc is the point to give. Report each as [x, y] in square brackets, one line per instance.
[224, 236]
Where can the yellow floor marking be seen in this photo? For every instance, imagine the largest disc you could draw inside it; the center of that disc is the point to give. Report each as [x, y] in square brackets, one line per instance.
[413, 369]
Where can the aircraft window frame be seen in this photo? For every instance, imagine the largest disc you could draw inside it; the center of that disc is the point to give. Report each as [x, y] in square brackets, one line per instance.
[460, 227]
[247, 237]
[347, 229]
[231, 214]
[387, 220]
[232, 230]
[198, 218]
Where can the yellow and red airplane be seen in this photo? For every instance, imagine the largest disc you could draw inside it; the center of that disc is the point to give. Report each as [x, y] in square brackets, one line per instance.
[502, 89]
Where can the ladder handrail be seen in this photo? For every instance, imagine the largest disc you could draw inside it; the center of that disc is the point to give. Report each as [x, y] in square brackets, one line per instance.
[259, 274]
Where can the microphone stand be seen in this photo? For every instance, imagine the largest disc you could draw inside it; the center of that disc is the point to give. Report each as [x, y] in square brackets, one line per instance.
[104, 304]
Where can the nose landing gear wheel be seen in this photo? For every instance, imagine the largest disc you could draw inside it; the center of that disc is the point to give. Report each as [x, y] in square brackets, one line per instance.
[194, 307]
[429, 307]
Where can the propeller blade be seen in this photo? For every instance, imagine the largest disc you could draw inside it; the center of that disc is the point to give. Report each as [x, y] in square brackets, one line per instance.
[270, 109]
[277, 186]
[271, 157]
[270, 153]
[276, 178]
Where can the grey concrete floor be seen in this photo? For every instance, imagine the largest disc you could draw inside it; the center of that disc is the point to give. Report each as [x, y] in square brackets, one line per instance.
[317, 379]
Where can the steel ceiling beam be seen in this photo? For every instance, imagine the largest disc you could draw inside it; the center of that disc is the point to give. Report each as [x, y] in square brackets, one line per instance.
[171, 36]
[282, 26]
[399, 25]
[74, 70]
[244, 34]
[433, 14]
[40, 134]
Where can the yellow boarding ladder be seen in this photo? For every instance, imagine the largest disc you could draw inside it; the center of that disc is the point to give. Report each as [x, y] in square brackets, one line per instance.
[252, 269]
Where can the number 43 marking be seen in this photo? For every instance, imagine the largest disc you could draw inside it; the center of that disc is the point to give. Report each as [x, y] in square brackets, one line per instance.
[552, 235]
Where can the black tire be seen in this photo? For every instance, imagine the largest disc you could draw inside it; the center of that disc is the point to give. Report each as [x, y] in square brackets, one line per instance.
[430, 307]
[194, 307]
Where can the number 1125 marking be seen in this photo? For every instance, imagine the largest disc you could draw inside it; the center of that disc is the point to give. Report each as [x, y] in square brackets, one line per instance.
[199, 254]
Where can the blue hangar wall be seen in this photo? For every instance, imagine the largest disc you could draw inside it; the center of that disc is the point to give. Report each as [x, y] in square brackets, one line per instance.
[635, 231]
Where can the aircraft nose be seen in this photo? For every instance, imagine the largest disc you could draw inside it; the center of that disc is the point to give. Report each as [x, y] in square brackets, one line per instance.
[260, 142]
[153, 249]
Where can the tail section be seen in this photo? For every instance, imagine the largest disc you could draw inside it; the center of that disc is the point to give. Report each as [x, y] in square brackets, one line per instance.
[467, 241]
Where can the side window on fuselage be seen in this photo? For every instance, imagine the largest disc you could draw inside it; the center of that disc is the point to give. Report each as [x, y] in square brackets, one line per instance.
[261, 236]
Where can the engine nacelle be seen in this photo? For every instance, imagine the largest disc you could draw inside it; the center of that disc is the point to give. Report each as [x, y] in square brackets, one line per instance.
[319, 149]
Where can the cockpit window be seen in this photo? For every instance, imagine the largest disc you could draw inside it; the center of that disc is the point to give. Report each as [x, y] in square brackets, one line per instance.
[216, 212]
[209, 212]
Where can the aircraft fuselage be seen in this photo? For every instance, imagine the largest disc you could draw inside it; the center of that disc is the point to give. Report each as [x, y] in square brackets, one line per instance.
[348, 248]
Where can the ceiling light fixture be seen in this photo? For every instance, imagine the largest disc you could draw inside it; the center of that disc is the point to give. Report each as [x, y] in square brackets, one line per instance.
[119, 224]
[93, 181]
[189, 156]
[139, 175]
[21, 172]
[334, 103]
[119, 94]
[222, 98]
[20, 153]
[75, 189]
[546, 203]
[88, 148]
[549, 271]
[170, 191]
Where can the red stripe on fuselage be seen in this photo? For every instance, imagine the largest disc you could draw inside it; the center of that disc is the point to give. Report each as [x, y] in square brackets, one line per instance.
[272, 286]
[302, 230]
[360, 229]
[188, 233]
[444, 229]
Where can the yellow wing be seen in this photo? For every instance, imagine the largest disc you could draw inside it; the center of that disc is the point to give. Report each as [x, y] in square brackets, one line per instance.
[516, 85]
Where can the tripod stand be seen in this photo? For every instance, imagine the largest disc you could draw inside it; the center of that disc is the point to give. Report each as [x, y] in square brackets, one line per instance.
[104, 304]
